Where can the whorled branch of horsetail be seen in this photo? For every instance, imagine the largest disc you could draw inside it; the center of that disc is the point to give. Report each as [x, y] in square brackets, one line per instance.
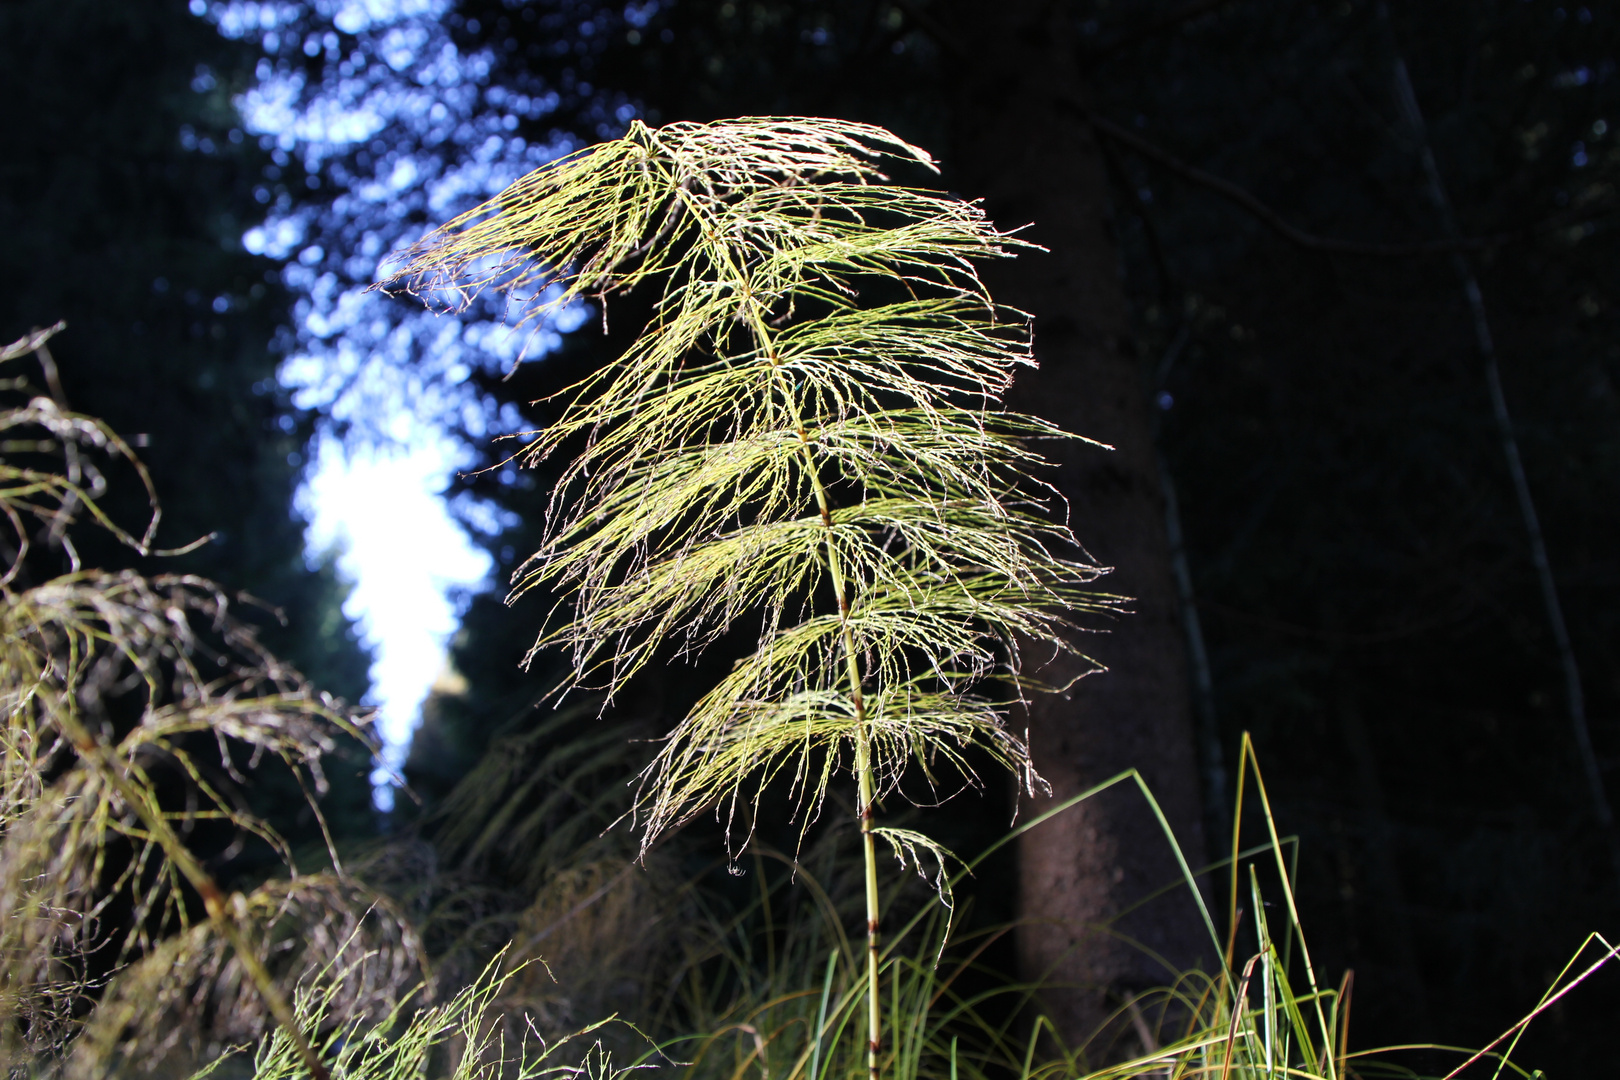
[55, 500]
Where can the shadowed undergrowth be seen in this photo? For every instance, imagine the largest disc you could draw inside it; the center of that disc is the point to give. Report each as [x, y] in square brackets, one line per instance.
[762, 978]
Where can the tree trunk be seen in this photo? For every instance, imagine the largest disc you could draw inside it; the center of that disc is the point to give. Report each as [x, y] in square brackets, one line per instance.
[1021, 145]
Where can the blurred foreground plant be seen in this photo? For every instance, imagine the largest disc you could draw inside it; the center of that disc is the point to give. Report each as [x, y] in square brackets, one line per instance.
[462, 1039]
[805, 437]
[111, 684]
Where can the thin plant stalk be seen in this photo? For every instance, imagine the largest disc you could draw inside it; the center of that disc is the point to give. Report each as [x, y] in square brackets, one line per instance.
[865, 775]
[1574, 694]
[874, 1011]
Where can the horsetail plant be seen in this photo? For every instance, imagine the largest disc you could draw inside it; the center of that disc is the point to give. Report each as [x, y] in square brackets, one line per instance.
[806, 435]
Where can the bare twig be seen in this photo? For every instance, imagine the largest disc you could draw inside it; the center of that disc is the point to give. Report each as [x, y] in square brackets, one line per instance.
[1574, 694]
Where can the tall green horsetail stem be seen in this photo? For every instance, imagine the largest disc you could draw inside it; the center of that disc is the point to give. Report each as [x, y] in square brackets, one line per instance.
[813, 409]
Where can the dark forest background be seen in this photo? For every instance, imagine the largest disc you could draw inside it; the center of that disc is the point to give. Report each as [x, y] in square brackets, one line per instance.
[1253, 280]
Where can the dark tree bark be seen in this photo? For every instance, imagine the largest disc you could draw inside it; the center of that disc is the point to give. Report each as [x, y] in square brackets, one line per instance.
[1020, 144]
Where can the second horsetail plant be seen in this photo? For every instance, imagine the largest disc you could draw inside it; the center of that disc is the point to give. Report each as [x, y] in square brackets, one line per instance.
[806, 436]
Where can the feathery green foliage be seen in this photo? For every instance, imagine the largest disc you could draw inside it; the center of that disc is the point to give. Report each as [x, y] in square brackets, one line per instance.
[771, 450]
[805, 436]
[131, 705]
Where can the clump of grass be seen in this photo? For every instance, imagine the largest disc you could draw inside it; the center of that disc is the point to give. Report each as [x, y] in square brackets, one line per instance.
[787, 1000]
[774, 989]
[520, 856]
[190, 997]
